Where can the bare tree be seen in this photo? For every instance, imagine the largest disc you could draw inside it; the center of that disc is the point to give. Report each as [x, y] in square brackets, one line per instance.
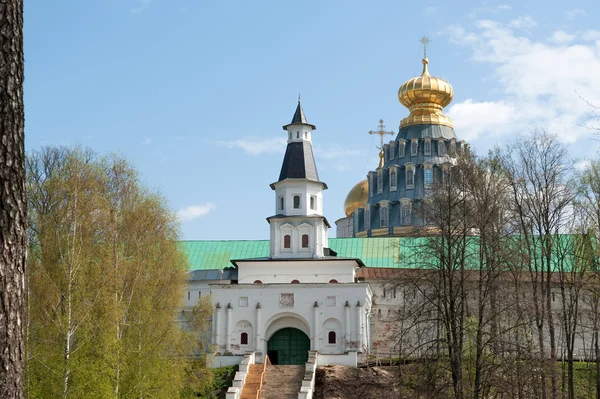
[538, 169]
[13, 230]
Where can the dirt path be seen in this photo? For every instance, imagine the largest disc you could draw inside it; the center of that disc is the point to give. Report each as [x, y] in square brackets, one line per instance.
[338, 382]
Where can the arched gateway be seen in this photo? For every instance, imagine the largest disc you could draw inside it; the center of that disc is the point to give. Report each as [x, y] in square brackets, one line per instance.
[288, 346]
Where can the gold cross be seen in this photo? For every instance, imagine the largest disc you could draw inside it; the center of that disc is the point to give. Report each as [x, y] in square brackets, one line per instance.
[381, 132]
[425, 41]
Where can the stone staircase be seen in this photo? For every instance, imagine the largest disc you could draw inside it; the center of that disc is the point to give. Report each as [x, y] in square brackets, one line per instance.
[282, 382]
[252, 381]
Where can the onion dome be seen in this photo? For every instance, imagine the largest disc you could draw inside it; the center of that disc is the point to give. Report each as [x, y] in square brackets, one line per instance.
[357, 197]
[425, 96]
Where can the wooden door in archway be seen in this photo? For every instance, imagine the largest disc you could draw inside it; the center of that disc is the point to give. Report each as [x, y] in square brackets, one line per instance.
[288, 346]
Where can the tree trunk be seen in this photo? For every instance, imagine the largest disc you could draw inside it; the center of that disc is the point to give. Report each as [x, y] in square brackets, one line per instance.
[13, 222]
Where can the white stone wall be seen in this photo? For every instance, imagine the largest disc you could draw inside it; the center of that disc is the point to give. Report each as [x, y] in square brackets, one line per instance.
[305, 271]
[261, 310]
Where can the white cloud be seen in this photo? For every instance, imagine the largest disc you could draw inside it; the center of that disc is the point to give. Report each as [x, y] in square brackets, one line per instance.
[525, 22]
[472, 119]
[539, 82]
[147, 141]
[583, 164]
[591, 35]
[334, 152]
[504, 7]
[141, 6]
[561, 37]
[195, 211]
[257, 146]
[572, 14]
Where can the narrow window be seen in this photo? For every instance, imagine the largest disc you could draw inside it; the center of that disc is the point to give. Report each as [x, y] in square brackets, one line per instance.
[414, 148]
[281, 203]
[331, 338]
[306, 135]
[296, 201]
[392, 150]
[189, 296]
[428, 176]
[379, 313]
[199, 294]
[393, 180]
[367, 218]
[313, 202]
[333, 281]
[304, 240]
[287, 241]
[405, 213]
[290, 136]
[295, 282]
[379, 181]
[244, 339]
[370, 184]
[383, 218]
[441, 148]
[427, 147]
[452, 149]
[297, 135]
[410, 177]
[401, 151]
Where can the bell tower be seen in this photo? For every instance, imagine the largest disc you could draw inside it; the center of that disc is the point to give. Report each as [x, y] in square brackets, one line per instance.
[298, 229]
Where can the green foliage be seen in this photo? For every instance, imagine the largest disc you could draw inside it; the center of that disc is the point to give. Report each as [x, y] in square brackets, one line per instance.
[105, 282]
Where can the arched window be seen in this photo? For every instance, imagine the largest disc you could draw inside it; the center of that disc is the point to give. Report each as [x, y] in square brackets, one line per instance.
[379, 181]
[383, 217]
[313, 202]
[295, 282]
[331, 338]
[401, 146]
[410, 177]
[427, 147]
[367, 218]
[441, 148]
[333, 281]
[296, 201]
[257, 282]
[281, 203]
[405, 213]
[287, 241]
[414, 148]
[304, 240]
[392, 150]
[428, 175]
[393, 180]
[244, 339]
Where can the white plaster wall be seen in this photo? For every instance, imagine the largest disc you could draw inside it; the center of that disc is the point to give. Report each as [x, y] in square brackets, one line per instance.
[347, 359]
[272, 316]
[290, 187]
[307, 271]
[193, 290]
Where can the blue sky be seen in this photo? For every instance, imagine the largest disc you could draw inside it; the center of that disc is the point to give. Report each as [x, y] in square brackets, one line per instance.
[194, 93]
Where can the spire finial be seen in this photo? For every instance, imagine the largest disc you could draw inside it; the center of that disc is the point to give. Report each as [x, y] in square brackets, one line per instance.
[299, 99]
[425, 41]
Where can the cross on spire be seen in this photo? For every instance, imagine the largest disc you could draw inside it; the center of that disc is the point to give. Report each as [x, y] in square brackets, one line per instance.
[381, 132]
[425, 41]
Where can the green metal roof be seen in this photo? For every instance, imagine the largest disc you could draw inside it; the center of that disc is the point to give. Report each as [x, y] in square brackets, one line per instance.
[385, 252]
[374, 252]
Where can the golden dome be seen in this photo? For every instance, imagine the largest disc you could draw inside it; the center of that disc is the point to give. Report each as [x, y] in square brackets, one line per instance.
[425, 96]
[357, 197]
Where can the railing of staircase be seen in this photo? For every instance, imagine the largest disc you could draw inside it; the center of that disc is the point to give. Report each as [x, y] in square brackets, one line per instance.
[262, 377]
